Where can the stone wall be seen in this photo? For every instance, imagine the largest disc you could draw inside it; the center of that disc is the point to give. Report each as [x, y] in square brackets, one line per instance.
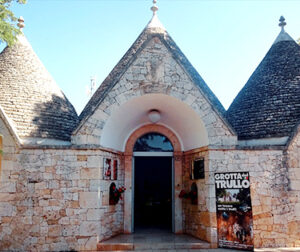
[293, 217]
[155, 71]
[197, 220]
[56, 199]
[9, 176]
[272, 203]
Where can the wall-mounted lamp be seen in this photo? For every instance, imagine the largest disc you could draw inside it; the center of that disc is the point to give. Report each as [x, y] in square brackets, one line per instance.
[154, 115]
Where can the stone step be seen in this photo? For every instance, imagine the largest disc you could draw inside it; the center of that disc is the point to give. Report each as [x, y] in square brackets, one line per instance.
[107, 246]
[151, 239]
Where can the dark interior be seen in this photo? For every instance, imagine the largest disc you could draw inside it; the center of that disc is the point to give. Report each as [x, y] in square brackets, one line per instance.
[153, 193]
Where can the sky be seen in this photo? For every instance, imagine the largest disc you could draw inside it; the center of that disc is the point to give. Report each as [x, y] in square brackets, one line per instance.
[224, 40]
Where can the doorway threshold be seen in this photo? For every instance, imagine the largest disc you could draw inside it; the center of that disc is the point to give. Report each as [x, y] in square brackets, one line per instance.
[152, 239]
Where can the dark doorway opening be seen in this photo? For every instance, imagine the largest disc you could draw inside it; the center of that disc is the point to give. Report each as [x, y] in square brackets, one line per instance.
[153, 193]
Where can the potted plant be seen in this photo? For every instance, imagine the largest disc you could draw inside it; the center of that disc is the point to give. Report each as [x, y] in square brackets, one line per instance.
[192, 195]
[115, 194]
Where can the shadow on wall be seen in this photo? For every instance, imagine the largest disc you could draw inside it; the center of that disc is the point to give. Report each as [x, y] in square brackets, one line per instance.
[55, 119]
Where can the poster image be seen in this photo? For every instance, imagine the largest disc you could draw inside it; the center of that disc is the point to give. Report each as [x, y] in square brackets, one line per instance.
[107, 169]
[234, 210]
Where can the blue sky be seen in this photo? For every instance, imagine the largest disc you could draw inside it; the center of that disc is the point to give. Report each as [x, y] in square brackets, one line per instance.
[224, 40]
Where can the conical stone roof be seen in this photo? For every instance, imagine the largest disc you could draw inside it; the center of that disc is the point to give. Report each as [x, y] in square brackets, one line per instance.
[269, 104]
[31, 98]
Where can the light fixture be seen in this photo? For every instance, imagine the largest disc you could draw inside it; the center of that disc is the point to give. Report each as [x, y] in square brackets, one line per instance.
[154, 115]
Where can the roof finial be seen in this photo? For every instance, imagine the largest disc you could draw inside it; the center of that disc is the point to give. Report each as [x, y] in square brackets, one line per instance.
[21, 24]
[154, 8]
[282, 24]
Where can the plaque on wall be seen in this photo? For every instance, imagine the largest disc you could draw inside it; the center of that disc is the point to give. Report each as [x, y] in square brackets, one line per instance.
[197, 169]
[107, 169]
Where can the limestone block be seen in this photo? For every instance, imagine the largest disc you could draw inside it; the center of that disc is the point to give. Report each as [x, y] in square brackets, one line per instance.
[7, 186]
[75, 196]
[229, 140]
[211, 234]
[294, 173]
[204, 218]
[8, 165]
[297, 209]
[47, 176]
[89, 228]
[79, 139]
[81, 241]
[73, 175]
[94, 214]
[55, 230]
[53, 184]
[211, 204]
[279, 219]
[43, 203]
[89, 200]
[6, 209]
[94, 162]
[4, 197]
[57, 194]
[96, 184]
[81, 158]
[91, 244]
[70, 230]
[59, 246]
[89, 173]
[64, 221]
[295, 184]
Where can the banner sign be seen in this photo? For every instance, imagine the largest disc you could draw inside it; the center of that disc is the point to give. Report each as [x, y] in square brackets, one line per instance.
[234, 210]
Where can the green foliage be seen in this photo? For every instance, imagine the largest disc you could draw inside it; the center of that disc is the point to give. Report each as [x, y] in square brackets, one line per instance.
[8, 31]
[298, 41]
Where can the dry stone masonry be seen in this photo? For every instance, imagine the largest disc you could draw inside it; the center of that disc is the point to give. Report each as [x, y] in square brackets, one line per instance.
[53, 192]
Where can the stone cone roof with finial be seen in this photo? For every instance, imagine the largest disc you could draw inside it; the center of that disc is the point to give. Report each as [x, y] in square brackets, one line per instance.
[153, 29]
[269, 104]
[30, 97]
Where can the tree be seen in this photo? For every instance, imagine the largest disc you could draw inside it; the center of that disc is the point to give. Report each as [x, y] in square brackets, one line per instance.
[8, 31]
[298, 41]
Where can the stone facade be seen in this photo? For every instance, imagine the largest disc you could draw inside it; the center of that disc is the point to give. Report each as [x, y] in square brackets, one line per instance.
[56, 199]
[53, 195]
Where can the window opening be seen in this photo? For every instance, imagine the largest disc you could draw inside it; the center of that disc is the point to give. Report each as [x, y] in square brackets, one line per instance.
[153, 142]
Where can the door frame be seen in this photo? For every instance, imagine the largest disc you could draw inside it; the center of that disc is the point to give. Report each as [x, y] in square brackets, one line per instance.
[152, 154]
[128, 163]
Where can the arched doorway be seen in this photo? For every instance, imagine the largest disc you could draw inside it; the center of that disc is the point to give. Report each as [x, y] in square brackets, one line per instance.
[174, 155]
[153, 182]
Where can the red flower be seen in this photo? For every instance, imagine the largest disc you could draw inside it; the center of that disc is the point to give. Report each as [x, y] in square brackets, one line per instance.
[182, 194]
[115, 194]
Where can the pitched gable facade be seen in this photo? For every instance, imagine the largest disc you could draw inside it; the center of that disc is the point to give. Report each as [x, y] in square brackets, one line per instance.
[156, 67]
[59, 175]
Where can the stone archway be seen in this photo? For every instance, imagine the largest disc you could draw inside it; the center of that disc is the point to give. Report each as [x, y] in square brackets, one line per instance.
[128, 203]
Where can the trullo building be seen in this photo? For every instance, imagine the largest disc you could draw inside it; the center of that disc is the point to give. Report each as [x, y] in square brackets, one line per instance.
[156, 128]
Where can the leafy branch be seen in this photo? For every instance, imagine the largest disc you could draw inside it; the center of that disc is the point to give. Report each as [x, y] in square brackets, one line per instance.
[8, 31]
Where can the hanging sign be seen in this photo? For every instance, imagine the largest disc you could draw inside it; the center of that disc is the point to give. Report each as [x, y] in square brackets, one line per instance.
[234, 210]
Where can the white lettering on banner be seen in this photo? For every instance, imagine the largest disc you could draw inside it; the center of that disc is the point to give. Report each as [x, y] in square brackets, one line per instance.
[232, 180]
